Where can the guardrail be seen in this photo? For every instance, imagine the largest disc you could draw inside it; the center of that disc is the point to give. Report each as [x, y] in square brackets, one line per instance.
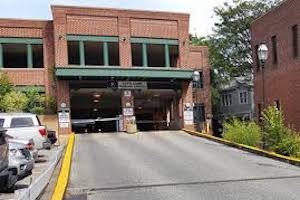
[36, 188]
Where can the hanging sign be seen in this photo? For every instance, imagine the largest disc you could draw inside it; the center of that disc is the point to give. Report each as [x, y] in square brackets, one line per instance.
[132, 85]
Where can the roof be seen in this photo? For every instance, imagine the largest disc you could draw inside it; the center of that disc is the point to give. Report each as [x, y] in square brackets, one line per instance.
[237, 81]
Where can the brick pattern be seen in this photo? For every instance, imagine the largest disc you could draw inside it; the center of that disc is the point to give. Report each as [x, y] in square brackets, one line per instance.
[154, 28]
[21, 32]
[25, 76]
[91, 25]
[281, 80]
[63, 96]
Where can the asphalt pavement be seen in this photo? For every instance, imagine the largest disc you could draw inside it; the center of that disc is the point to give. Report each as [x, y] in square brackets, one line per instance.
[174, 165]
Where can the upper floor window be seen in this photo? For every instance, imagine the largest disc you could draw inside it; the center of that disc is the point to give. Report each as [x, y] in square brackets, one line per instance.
[93, 50]
[149, 52]
[18, 53]
[243, 97]
[199, 113]
[274, 50]
[226, 99]
[295, 44]
[199, 83]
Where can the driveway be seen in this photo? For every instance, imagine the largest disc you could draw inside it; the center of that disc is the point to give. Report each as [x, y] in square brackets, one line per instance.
[173, 165]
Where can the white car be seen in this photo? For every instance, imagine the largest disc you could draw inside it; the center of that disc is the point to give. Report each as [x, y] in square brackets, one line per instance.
[25, 126]
[28, 144]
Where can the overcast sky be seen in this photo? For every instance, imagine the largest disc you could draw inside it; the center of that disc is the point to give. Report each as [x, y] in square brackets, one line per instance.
[201, 11]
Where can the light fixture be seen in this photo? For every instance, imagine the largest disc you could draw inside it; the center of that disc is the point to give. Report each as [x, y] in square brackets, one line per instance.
[96, 101]
[140, 108]
[156, 95]
[96, 95]
[95, 109]
[196, 76]
[262, 53]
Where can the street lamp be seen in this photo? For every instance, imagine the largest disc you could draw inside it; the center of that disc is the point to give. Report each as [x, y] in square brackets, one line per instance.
[196, 76]
[262, 52]
[196, 79]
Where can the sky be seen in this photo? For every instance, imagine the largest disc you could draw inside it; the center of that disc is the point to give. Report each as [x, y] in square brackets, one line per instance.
[201, 11]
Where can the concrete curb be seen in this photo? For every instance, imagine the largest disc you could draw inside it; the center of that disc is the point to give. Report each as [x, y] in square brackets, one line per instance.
[261, 152]
[63, 177]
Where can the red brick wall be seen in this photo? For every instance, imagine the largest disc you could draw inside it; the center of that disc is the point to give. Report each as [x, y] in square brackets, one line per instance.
[25, 76]
[282, 79]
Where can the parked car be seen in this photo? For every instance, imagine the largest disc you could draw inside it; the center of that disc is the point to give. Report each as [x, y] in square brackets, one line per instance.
[20, 158]
[52, 136]
[25, 126]
[29, 144]
[8, 175]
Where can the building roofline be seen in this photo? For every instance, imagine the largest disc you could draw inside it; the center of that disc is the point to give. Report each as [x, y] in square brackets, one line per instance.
[271, 11]
[11, 22]
[181, 14]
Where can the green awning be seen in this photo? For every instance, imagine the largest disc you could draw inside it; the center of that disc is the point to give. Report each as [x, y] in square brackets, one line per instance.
[130, 72]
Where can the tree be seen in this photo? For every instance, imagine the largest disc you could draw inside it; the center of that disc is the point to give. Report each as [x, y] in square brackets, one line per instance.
[230, 44]
[14, 102]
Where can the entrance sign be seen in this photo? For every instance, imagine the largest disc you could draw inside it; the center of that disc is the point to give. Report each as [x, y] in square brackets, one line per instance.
[188, 115]
[132, 85]
[127, 111]
[127, 93]
[64, 119]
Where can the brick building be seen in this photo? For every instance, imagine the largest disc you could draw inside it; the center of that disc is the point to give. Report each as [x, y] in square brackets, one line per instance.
[136, 66]
[279, 29]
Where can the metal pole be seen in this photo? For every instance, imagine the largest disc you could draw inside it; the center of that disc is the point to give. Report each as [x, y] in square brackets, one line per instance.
[264, 101]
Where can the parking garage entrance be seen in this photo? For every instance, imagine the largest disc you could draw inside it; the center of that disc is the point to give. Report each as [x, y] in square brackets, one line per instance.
[104, 106]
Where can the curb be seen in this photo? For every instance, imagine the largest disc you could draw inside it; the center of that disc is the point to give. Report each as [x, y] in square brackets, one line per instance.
[63, 177]
[258, 151]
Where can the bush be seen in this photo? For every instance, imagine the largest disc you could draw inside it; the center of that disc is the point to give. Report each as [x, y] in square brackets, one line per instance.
[5, 85]
[279, 137]
[248, 133]
[14, 102]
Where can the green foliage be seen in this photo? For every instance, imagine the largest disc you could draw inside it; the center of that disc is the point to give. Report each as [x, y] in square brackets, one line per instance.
[37, 101]
[230, 45]
[51, 104]
[5, 85]
[248, 133]
[279, 137]
[14, 102]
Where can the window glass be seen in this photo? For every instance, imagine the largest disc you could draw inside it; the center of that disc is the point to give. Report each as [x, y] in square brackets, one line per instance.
[199, 113]
[1, 123]
[37, 56]
[14, 55]
[21, 122]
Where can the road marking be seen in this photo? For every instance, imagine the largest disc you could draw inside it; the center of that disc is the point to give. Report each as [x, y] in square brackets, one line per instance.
[129, 187]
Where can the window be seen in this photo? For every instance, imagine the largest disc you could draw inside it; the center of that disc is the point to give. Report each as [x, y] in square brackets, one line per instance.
[198, 84]
[227, 99]
[73, 53]
[277, 104]
[21, 122]
[14, 55]
[1, 123]
[156, 55]
[257, 59]
[199, 113]
[37, 56]
[243, 97]
[137, 55]
[274, 50]
[295, 41]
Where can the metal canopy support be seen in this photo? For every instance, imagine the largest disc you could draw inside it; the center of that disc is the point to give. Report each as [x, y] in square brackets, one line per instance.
[1, 56]
[81, 53]
[145, 58]
[105, 54]
[29, 56]
[167, 56]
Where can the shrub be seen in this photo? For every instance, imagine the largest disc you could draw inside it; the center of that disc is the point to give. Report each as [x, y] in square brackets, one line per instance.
[277, 136]
[5, 85]
[14, 102]
[248, 133]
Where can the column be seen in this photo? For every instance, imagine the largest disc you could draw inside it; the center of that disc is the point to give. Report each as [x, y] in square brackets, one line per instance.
[128, 111]
[63, 96]
[167, 56]
[187, 106]
[81, 53]
[145, 58]
[105, 54]
[1, 56]
[124, 42]
[29, 56]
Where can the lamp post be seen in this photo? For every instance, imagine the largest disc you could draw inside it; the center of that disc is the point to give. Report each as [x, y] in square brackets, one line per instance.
[196, 79]
[262, 52]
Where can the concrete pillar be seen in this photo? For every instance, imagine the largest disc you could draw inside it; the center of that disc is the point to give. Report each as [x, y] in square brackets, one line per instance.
[128, 109]
[63, 96]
